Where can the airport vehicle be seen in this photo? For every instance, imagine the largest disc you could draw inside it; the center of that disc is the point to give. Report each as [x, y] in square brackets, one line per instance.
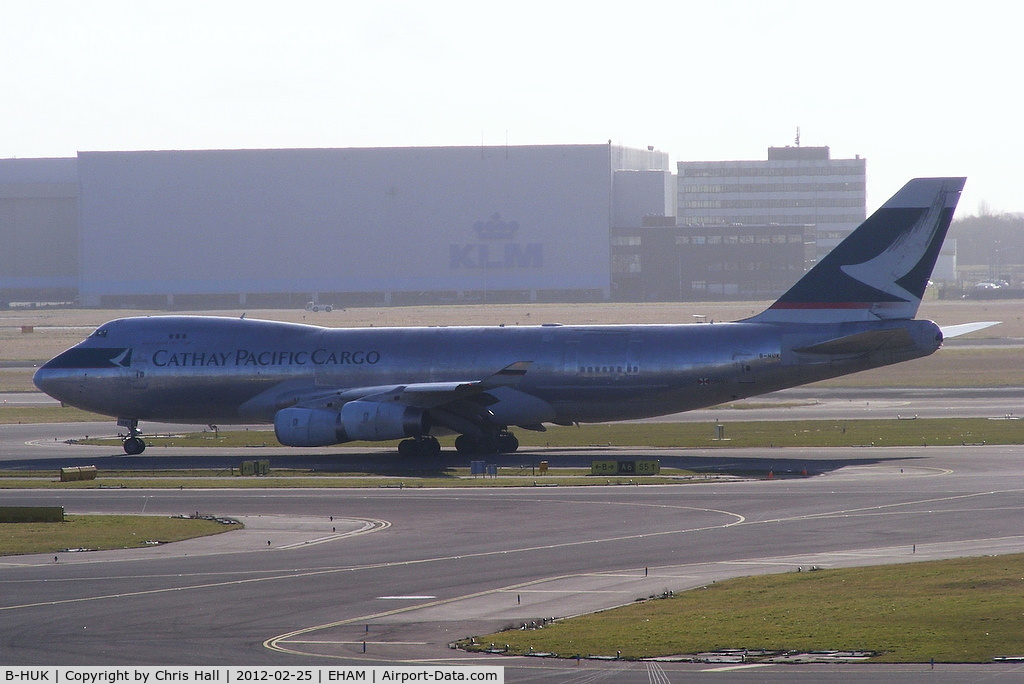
[852, 311]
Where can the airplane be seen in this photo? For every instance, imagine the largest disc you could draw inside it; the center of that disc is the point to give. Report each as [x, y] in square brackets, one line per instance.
[318, 386]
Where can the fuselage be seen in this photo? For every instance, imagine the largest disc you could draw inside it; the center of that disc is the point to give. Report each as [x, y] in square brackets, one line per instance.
[228, 370]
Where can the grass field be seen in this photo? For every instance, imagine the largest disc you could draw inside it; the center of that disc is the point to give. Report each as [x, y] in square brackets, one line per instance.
[284, 479]
[96, 532]
[958, 611]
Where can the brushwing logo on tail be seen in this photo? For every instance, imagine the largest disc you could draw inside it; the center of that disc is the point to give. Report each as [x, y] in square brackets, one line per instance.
[881, 269]
[902, 257]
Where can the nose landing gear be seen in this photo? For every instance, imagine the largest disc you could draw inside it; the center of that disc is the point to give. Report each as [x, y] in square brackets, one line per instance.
[132, 444]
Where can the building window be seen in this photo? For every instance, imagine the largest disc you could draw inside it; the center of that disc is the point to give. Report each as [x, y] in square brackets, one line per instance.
[625, 263]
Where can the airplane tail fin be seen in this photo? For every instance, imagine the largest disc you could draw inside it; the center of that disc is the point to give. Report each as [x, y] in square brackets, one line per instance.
[880, 271]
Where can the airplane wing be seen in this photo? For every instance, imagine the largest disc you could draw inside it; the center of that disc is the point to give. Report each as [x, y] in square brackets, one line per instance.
[420, 394]
[431, 394]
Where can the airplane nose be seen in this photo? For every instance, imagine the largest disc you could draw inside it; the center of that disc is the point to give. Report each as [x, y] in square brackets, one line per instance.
[41, 379]
[54, 382]
[65, 376]
[60, 375]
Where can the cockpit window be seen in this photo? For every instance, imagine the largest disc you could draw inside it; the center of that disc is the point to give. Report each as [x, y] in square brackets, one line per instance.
[100, 332]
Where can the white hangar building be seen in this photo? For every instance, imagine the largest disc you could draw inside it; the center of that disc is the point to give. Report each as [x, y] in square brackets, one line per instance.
[226, 228]
[39, 230]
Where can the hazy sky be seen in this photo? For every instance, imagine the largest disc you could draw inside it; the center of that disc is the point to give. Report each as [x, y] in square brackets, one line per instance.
[918, 88]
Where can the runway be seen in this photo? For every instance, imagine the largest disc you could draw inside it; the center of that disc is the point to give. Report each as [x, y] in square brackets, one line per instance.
[316, 573]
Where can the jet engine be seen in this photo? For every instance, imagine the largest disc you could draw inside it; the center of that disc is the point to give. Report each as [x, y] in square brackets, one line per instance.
[357, 420]
[375, 421]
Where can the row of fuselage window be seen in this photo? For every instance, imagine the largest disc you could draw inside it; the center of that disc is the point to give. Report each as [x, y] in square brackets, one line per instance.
[609, 370]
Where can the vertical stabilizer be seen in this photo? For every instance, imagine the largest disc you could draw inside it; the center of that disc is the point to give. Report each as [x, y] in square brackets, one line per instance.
[881, 269]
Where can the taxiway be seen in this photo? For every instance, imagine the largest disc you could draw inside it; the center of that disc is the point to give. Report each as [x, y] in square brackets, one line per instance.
[316, 574]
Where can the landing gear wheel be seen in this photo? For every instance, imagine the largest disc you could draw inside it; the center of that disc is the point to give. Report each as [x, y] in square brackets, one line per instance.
[429, 447]
[504, 442]
[133, 446]
[424, 447]
[507, 442]
[465, 444]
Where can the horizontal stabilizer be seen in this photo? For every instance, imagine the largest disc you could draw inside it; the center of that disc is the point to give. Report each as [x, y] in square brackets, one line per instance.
[950, 331]
[862, 343]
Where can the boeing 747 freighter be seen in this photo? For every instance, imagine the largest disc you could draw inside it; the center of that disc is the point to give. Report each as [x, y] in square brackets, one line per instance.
[318, 386]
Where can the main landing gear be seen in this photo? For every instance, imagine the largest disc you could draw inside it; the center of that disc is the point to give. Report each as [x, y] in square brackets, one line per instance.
[502, 442]
[132, 444]
[426, 446]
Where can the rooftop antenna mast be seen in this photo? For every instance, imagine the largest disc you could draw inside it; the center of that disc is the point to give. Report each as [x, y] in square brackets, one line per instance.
[798, 136]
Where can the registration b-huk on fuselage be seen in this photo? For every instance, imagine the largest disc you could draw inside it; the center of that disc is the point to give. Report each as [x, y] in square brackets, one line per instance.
[854, 310]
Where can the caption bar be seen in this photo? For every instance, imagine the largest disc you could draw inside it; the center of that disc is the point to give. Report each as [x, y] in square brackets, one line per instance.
[241, 675]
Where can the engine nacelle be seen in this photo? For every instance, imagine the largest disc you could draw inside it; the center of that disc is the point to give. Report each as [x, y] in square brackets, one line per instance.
[302, 427]
[376, 421]
[358, 420]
